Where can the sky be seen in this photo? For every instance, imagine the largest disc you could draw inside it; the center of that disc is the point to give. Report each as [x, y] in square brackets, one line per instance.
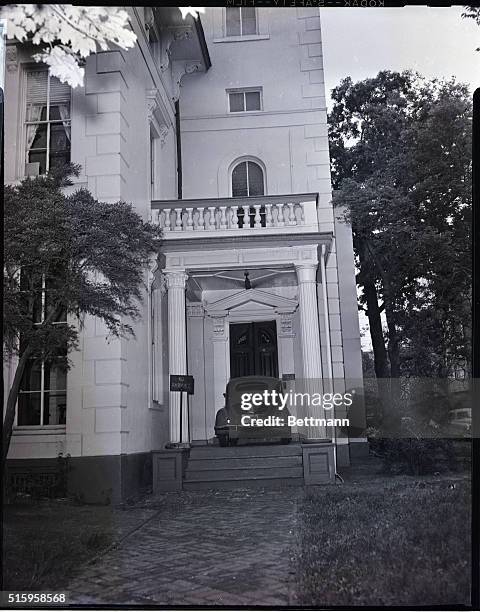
[436, 42]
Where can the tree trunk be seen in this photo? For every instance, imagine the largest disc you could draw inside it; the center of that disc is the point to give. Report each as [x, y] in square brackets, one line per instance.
[393, 344]
[9, 417]
[373, 313]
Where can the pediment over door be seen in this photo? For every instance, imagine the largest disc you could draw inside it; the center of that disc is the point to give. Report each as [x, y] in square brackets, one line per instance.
[251, 297]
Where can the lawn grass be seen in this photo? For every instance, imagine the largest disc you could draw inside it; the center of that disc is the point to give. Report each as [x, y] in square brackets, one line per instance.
[387, 542]
[44, 544]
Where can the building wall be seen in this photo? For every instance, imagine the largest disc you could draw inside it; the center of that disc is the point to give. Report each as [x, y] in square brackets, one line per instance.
[108, 386]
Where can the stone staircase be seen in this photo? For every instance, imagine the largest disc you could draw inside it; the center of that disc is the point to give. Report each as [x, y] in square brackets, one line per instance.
[272, 466]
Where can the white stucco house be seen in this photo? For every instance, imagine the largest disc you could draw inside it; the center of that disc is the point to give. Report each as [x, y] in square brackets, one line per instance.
[216, 128]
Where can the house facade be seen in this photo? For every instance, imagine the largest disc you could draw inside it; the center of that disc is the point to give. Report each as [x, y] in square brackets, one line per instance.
[216, 129]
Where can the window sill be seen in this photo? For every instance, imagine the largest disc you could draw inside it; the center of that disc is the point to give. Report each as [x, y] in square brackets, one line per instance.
[37, 430]
[246, 38]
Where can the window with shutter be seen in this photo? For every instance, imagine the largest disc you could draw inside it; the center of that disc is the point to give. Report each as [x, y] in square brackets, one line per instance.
[47, 122]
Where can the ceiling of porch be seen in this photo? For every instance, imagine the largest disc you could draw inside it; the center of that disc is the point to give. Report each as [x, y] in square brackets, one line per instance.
[222, 280]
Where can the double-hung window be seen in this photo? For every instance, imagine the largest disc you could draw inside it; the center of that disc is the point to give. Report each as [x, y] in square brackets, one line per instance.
[47, 122]
[245, 100]
[241, 21]
[42, 398]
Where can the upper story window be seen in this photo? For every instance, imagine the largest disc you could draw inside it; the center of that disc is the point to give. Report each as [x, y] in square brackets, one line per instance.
[248, 180]
[243, 100]
[241, 21]
[47, 122]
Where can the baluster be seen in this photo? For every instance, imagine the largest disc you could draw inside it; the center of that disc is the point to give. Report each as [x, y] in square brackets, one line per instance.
[223, 217]
[211, 218]
[189, 219]
[178, 220]
[291, 214]
[167, 227]
[302, 213]
[268, 216]
[258, 219]
[280, 219]
[234, 218]
[201, 219]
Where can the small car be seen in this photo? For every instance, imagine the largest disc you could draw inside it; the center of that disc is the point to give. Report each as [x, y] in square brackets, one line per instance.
[460, 421]
[228, 423]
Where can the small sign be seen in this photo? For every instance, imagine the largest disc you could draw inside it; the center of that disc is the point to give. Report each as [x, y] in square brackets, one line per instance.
[288, 376]
[181, 382]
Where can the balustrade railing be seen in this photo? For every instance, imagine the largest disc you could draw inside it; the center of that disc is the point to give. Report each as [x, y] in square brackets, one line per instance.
[269, 213]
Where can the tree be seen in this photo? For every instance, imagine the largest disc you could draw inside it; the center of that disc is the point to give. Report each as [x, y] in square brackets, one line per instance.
[401, 164]
[81, 256]
[472, 12]
[68, 34]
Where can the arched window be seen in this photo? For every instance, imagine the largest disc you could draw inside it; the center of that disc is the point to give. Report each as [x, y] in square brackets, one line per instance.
[247, 180]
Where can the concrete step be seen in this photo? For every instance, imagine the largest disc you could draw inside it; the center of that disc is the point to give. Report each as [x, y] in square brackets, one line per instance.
[240, 473]
[244, 462]
[251, 483]
[218, 452]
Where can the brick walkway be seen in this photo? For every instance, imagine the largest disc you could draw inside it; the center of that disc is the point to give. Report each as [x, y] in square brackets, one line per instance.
[206, 548]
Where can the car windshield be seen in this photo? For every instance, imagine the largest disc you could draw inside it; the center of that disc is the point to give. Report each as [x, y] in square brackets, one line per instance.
[237, 388]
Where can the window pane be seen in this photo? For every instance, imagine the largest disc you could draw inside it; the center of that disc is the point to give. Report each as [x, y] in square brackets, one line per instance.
[28, 409]
[54, 286]
[236, 102]
[239, 180]
[255, 179]
[252, 99]
[249, 20]
[60, 112]
[55, 375]
[32, 376]
[54, 409]
[37, 136]
[58, 138]
[233, 21]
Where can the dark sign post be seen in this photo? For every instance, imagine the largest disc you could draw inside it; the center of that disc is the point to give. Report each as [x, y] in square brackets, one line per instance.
[183, 383]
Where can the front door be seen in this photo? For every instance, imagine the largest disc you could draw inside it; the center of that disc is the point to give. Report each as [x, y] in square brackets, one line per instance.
[253, 349]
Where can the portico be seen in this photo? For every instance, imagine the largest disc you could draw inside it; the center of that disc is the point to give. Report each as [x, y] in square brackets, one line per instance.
[204, 295]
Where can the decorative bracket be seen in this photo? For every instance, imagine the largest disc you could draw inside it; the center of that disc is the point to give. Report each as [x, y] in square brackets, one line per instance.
[179, 70]
[11, 59]
[156, 116]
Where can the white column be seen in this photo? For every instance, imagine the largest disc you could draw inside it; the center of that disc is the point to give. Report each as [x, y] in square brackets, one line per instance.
[310, 339]
[221, 363]
[177, 350]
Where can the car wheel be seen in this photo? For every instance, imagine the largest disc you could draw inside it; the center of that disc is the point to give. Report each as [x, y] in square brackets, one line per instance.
[223, 439]
[286, 440]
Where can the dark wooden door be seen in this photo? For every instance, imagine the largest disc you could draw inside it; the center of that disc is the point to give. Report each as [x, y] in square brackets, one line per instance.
[253, 349]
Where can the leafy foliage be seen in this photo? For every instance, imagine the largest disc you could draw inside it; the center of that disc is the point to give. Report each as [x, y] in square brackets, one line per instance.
[93, 252]
[89, 256]
[68, 34]
[472, 12]
[401, 165]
